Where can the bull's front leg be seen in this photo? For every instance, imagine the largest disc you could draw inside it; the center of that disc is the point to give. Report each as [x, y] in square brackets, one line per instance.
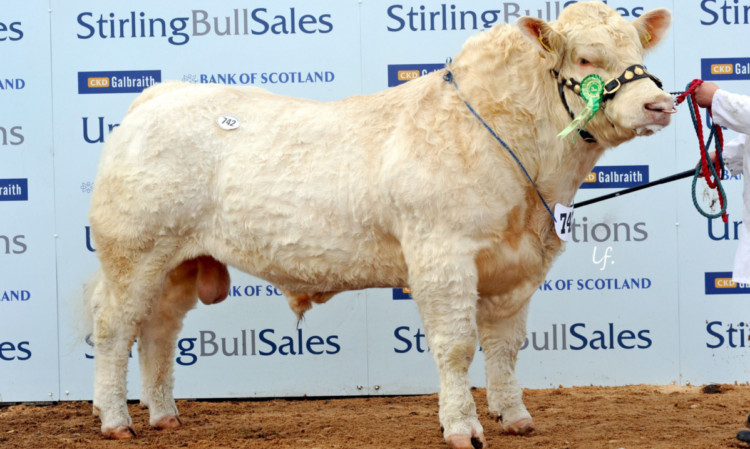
[444, 287]
[501, 338]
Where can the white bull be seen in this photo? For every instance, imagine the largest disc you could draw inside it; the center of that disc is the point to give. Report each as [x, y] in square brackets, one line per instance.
[400, 188]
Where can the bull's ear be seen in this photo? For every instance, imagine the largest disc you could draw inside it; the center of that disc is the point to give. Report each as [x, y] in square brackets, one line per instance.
[652, 26]
[541, 34]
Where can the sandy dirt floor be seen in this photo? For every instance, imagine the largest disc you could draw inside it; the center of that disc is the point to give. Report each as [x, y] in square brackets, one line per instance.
[643, 416]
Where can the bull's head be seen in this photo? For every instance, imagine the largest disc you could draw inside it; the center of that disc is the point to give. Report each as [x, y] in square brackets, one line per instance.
[591, 38]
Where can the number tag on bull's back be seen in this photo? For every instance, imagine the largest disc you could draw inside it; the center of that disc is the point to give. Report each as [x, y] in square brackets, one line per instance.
[228, 122]
[563, 221]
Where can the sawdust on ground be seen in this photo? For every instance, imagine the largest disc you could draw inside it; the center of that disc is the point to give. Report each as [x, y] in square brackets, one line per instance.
[631, 417]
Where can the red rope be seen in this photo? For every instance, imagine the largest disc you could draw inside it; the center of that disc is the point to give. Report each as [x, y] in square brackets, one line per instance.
[712, 183]
[689, 91]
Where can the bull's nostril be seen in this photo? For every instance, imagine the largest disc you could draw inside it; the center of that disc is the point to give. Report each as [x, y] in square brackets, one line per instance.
[661, 107]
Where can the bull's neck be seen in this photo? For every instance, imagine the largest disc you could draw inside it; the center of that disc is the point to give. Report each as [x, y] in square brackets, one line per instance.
[556, 166]
[577, 156]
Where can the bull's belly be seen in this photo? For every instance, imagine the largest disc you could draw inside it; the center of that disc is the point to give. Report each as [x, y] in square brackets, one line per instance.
[321, 263]
[309, 267]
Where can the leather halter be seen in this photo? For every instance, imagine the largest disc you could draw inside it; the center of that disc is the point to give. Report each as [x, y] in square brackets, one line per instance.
[611, 87]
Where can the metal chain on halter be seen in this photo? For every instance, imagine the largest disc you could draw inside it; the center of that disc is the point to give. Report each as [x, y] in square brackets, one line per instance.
[712, 172]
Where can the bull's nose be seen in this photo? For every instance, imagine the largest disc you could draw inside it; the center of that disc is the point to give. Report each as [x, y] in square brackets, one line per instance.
[664, 106]
[659, 112]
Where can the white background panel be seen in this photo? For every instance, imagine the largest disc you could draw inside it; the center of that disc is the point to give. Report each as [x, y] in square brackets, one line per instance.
[625, 303]
[702, 32]
[28, 309]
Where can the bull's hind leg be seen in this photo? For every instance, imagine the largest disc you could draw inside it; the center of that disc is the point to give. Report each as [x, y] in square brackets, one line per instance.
[120, 303]
[204, 278]
[444, 287]
[501, 339]
[157, 342]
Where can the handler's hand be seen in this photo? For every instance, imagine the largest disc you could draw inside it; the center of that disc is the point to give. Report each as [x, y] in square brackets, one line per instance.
[712, 160]
[704, 94]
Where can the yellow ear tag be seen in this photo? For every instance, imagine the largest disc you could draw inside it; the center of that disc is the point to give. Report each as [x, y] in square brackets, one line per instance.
[541, 41]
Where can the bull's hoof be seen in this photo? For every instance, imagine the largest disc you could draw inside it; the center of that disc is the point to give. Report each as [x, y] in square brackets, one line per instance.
[523, 426]
[119, 433]
[466, 441]
[168, 422]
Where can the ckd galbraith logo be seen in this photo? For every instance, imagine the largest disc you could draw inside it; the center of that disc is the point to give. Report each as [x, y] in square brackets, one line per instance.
[722, 69]
[117, 82]
[401, 73]
[616, 177]
[721, 283]
[14, 189]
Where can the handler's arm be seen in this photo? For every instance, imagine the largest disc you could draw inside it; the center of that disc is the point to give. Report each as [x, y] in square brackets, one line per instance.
[731, 110]
[734, 152]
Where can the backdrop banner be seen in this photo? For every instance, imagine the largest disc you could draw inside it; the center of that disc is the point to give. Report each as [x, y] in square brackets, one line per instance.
[642, 293]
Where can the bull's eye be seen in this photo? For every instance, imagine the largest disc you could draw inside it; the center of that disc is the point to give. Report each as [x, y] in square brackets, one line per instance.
[584, 61]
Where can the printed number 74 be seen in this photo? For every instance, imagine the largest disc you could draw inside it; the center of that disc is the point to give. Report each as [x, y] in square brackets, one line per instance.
[566, 219]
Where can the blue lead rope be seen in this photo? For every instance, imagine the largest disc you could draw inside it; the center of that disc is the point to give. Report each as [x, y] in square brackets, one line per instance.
[449, 78]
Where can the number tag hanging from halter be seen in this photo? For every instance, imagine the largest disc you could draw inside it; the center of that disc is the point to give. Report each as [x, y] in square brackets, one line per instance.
[563, 221]
[592, 88]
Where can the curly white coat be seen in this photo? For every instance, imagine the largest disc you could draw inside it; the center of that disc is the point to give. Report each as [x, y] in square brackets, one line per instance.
[400, 188]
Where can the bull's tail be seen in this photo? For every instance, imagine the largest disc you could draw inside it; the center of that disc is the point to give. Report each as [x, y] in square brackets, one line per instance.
[84, 308]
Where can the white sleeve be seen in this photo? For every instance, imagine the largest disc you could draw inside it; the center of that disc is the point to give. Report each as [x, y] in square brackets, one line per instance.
[731, 110]
[734, 153]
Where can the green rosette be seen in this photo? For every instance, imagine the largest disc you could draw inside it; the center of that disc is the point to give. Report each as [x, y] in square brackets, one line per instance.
[592, 88]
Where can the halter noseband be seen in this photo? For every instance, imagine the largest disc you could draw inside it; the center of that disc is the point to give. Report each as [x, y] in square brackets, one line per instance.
[611, 87]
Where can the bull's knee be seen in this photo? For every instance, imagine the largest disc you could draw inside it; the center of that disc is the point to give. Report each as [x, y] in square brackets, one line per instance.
[213, 280]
